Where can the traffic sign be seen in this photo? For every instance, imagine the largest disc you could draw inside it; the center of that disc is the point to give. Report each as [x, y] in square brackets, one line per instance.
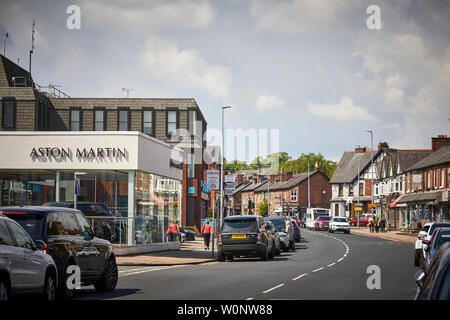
[358, 208]
[372, 205]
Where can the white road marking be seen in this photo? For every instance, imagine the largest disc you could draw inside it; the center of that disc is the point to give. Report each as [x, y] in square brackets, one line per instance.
[300, 276]
[276, 287]
[149, 270]
[317, 269]
[332, 264]
[340, 259]
[249, 299]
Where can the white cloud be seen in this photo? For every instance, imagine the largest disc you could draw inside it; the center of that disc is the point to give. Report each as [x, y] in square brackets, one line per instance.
[343, 111]
[184, 68]
[265, 103]
[301, 16]
[144, 16]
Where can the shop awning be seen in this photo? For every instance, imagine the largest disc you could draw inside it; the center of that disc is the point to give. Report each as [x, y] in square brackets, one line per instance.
[394, 203]
[419, 197]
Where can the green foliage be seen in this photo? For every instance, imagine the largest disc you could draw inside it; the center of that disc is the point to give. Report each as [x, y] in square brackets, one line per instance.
[189, 228]
[263, 208]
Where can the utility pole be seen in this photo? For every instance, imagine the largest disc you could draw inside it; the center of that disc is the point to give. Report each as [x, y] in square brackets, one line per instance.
[221, 170]
[309, 187]
[371, 154]
[32, 47]
[6, 35]
[358, 188]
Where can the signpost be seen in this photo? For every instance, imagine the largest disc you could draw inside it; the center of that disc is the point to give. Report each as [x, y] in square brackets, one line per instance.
[230, 184]
[213, 178]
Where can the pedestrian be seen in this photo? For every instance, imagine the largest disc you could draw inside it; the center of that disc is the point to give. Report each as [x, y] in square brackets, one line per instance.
[173, 231]
[207, 229]
[383, 224]
[371, 224]
[377, 224]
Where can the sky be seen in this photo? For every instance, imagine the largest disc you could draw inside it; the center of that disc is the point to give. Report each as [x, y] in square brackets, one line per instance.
[312, 71]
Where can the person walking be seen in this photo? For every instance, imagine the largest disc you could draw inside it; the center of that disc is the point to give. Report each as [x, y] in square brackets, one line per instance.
[173, 231]
[207, 229]
[371, 224]
[377, 224]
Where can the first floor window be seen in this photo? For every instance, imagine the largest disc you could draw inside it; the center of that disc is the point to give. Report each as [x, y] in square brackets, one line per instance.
[75, 116]
[171, 122]
[9, 113]
[123, 120]
[294, 196]
[99, 120]
[148, 122]
[341, 189]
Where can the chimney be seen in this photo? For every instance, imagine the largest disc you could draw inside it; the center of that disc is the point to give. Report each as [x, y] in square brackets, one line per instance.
[239, 178]
[286, 175]
[360, 150]
[440, 141]
[383, 146]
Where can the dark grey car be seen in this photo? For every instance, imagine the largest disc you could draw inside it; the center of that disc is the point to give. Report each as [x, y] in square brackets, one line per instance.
[24, 269]
[246, 236]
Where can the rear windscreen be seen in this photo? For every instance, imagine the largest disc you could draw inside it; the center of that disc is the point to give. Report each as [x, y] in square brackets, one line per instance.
[31, 222]
[239, 224]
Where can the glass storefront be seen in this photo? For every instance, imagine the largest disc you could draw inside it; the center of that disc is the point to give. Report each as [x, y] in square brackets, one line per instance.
[157, 199]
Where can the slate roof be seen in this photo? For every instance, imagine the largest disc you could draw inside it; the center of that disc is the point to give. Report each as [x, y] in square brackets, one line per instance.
[8, 70]
[282, 185]
[240, 187]
[347, 169]
[438, 157]
[408, 158]
[420, 196]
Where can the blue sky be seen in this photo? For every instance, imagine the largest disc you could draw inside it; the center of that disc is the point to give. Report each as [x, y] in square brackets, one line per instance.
[311, 69]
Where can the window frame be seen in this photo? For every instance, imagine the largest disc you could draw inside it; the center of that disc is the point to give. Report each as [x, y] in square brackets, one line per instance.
[128, 118]
[103, 109]
[177, 121]
[292, 194]
[152, 110]
[14, 101]
[80, 118]
[9, 225]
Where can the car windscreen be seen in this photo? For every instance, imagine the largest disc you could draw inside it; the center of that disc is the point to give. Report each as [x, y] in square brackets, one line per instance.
[239, 224]
[425, 229]
[444, 237]
[438, 225]
[339, 220]
[31, 222]
[278, 223]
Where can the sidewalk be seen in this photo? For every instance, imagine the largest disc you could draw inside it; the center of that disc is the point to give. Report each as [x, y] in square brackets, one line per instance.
[390, 235]
[191, 252]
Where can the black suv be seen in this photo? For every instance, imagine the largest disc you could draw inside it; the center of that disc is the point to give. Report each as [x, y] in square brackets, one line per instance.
[97, 213]
[245, 236]
[69, 240]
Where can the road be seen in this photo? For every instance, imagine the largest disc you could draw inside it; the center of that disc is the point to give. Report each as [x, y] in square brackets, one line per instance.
[324, 266]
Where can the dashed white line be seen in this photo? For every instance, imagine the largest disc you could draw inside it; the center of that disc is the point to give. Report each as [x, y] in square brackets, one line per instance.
[148, 270]
[300, 276]
[249, 298]
[317, 269]
[331, 264]
[340, 259]
[276, 287]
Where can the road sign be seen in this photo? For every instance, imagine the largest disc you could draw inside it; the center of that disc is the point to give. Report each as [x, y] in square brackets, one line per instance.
[229, 184]
[372, 205]
[358, 208]
[213, 178]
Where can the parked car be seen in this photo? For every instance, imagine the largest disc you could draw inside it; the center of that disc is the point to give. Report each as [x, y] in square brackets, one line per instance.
[422, 239]
[296, 227]
[287, 238]
[363, 221]
[439, 237]
[339, 224]
[24, 267]
[275, 236]
[245, 236]
[322, 223]
[69, 239]
[190, 235]
[435, 284]
[105, 218]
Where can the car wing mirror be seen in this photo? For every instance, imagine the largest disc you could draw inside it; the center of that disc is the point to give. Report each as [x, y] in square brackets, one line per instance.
[419, 277]
[39, 245]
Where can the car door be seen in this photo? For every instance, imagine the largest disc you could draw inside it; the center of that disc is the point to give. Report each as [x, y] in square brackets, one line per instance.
[10, 257]
[30, 264]
[91, 255]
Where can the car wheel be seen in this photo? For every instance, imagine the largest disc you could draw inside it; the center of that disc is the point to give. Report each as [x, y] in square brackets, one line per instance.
[108, 280]
[4, 289]
[265, 255]
[417, 258]
[421, 261]
[220, 256]
[49, 292]
[230, 258]
[292, 245]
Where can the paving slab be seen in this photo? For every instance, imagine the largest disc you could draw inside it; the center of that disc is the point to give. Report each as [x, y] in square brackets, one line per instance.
[390, 235]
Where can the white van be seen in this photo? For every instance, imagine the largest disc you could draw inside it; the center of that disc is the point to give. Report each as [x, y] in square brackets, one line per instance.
[313, 213]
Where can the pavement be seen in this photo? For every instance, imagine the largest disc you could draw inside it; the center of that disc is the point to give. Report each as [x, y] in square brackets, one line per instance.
[191, 252]
[390, 235]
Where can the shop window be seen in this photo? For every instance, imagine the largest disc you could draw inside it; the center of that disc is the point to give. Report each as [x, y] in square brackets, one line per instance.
[147, 122]
[9, 113]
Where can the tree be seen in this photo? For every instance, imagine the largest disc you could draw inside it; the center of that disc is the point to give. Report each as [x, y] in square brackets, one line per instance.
[301, 164]
[263, 208]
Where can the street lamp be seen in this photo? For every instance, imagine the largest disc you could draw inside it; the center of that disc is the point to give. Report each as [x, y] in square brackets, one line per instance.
[75, 194]
[221, 170]
[371, 155]
[358, 188]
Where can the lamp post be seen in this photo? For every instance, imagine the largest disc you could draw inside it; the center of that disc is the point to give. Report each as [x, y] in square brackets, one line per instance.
[358, 188]
[75, 194]
[221, 170]
[371, 154]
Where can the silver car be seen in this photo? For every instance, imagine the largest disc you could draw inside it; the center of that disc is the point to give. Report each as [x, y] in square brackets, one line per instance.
[25, 268]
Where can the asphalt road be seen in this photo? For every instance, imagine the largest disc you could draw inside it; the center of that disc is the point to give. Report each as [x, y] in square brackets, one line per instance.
[324, 266]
